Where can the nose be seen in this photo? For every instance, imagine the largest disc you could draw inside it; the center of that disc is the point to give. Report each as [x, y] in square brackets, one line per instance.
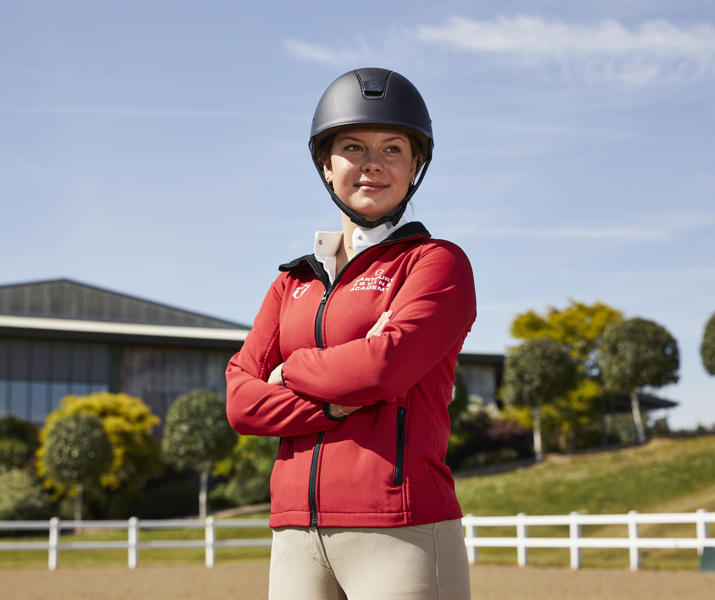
[372, 161]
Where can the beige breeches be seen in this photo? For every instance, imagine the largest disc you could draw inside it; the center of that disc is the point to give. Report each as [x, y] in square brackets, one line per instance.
[422, 562]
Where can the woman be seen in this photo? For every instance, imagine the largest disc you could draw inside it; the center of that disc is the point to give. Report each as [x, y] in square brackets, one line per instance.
[351, 362]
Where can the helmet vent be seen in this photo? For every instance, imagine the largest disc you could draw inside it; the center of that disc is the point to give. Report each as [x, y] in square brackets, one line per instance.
[372, 88]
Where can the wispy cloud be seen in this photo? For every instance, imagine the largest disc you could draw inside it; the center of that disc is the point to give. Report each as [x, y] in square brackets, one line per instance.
[330, 56]
[655, 51]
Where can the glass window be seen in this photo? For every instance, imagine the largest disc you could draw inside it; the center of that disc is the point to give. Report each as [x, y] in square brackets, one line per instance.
[40, 400]
[18, 398]
[4, 358]
[79, 389]
[40, 360]
[99, 372]
[98, 387]
[58, 390]
[20, 359]
[4, 408]
[80, 362]
[60, 361]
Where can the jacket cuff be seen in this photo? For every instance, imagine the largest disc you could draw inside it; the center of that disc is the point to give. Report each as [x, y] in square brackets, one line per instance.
[326, 412]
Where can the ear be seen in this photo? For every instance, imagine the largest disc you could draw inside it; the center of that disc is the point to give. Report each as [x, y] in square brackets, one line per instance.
[413, 169]
[328, 170]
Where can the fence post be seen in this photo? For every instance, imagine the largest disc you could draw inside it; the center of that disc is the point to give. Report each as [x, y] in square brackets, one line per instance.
[132, 533]
[701, 529]
[522, 532]
[470, 539]
[53, 546]
[633, 534]
[575, 535]
[210, 541]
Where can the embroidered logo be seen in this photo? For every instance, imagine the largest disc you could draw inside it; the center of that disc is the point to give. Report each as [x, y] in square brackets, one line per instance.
[300, 290]
[379, 282]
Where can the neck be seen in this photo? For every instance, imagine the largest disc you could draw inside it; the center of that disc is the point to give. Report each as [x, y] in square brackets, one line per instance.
[348, 229]
[346, 250]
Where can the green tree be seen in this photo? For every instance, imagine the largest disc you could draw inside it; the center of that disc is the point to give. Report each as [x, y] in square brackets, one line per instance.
[196, 434]
[578, 327]
[247, 470]
[128, 423]
[707, 348]
[77, 452]
[636, 353]
[18, 443]
[536, 373]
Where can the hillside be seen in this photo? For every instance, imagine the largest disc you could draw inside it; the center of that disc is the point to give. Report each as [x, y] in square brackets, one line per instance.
[612, 481]
[662, 476]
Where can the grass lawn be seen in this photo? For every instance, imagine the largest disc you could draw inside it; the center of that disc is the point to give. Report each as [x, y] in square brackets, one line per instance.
[662, 476]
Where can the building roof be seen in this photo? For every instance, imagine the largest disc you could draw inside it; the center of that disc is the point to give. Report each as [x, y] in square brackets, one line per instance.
[647, 402]
[63, 308]
[481, 358]
[69, 299]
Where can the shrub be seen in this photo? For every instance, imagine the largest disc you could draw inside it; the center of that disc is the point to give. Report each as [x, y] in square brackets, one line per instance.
[482, 440]
[19, 429]
[22, 497]
[15, 453]
[248, 471]
[128, 423]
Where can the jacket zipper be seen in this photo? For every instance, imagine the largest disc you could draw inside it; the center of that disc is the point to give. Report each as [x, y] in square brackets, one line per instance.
[401, 439]
[313, 481]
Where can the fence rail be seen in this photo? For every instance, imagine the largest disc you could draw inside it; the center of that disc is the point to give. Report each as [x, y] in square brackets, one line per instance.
[575, 541]
[473, 525]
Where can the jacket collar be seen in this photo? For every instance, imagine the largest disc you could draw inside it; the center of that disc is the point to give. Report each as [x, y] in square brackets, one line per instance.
[413, 229]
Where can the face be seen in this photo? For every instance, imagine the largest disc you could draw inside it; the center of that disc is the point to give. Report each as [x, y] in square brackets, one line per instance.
[370, 169]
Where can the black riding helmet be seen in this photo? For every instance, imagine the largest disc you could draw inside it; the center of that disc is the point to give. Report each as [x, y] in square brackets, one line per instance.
[372, 97]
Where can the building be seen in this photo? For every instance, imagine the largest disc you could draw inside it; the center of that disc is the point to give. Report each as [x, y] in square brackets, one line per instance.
[63, 337]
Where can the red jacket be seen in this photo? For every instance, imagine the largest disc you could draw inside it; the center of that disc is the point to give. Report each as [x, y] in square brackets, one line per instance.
[383, 466]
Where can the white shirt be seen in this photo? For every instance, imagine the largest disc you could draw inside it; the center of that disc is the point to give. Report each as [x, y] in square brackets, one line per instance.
[327, 243]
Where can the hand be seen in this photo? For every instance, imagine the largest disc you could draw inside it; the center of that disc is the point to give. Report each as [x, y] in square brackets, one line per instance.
[339, 411]
[336, 410]
[276, 376]
[379, 325]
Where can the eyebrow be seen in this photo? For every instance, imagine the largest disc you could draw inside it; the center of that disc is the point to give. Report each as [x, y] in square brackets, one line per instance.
[345, 137]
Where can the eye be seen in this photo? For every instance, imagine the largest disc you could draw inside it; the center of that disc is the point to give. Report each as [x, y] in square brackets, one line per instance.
[393, 149]
[352, 147]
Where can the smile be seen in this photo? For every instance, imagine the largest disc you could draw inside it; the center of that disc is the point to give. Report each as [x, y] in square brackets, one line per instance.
[371, 186]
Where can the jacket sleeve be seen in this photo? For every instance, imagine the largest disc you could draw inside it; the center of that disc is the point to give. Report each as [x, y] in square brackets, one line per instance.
[431, 315]
[255, 407]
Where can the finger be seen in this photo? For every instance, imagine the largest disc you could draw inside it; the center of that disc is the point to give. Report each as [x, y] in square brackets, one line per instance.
[377, 327]
[382, 321]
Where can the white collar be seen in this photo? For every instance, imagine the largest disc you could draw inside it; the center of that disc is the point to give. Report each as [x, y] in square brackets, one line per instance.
[327, 243]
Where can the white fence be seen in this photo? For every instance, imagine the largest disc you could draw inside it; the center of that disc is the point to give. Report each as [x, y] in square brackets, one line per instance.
[473, 526]
[133, 544]
[575, 542]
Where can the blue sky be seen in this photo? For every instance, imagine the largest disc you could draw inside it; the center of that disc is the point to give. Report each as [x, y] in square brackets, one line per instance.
[159, 148]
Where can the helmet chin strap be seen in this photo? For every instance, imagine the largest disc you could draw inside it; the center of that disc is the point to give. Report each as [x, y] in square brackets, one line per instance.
[359, 219]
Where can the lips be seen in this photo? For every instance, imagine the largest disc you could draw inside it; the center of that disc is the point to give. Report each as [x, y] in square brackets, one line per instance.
[371, 186]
